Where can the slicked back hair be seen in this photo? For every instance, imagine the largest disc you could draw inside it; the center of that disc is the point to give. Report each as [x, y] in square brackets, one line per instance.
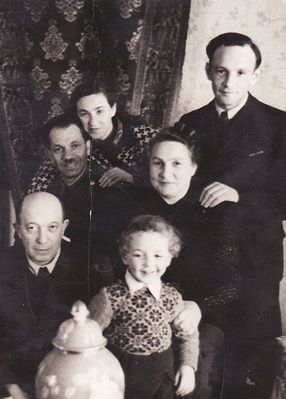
[232, 39]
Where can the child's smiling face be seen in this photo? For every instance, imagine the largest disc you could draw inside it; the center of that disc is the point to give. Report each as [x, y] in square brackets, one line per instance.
[148, 255]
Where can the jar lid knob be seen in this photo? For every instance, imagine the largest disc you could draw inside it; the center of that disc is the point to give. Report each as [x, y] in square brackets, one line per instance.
[80, 333]
[79, 312]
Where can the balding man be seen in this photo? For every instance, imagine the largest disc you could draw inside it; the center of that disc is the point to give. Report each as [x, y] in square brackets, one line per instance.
[39, 282]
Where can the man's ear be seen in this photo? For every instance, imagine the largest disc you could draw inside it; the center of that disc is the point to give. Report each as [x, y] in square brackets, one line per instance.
[208, 69]
[256, 75]
[50, 156]
[88, 146]
[17, 227]
[65, 225]
[113, 109]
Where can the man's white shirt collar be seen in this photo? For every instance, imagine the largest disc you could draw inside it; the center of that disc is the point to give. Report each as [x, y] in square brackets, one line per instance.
[34, 268]
[134, 285]
[233, 111]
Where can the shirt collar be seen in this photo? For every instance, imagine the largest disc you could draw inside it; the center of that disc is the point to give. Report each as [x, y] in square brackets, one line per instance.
[233, 111]
[34, 268]
[74, 184]
[134, 285]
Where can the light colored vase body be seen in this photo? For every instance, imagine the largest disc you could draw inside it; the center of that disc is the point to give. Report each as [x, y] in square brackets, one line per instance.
[77, 368]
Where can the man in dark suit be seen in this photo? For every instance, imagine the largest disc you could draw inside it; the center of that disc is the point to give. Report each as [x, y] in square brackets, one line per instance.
[243, 161]
[68, 148]
[39, 281]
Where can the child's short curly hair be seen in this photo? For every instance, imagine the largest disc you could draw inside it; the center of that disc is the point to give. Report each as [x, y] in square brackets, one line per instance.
[153, 223]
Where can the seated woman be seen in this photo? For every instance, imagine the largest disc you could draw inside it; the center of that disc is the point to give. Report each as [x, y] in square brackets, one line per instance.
[117, 146]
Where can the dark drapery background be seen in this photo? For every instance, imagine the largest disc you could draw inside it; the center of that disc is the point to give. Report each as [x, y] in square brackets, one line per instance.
[48, 46]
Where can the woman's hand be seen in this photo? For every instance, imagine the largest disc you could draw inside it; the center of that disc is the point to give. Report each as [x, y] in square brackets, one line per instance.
[185, 380]
[113, 176]
[188, 320]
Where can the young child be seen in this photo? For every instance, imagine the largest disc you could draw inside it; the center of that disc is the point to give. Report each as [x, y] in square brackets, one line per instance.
[138, 314]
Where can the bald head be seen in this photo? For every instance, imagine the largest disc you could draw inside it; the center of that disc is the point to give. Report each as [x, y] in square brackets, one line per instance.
[40, 201]
[41, 226]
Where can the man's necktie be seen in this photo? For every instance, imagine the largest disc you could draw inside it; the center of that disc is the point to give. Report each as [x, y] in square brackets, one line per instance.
[222, 138]
[223, 119]
[43, 273]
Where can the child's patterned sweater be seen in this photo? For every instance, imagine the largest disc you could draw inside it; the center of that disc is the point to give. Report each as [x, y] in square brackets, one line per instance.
[139, 324]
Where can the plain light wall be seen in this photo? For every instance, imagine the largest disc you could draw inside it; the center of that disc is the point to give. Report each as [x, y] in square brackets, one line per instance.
[263, 20]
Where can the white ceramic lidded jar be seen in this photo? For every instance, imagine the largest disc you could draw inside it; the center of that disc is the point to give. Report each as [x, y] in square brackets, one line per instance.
[79, 366]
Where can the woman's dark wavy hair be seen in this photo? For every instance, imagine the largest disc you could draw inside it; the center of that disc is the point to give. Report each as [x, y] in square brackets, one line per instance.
[95, 85]
[108, 87]
[171, 134]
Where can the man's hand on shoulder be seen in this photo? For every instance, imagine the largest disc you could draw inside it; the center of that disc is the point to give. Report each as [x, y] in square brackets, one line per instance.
[17, 393]
[189, 318]
[216, 193]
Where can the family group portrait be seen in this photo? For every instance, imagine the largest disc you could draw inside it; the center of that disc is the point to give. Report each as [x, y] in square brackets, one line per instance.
[142, 199]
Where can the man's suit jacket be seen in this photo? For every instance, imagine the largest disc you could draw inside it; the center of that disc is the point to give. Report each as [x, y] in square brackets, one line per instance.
[76, 200]
[253, 157]
[26, 330]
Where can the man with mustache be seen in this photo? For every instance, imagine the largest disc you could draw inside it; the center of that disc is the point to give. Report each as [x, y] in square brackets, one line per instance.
[68, 148]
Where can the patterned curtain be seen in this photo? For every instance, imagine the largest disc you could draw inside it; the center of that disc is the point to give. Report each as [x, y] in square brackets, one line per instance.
[160, 60]
[143, 44]
[48, 46]
[62, 44]
[16, 118]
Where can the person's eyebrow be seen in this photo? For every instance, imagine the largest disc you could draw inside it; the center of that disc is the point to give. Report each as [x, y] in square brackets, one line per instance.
[171, 159]
[84, 109]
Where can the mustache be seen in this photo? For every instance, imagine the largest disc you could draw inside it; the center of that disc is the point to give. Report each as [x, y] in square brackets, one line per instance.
[69, 161]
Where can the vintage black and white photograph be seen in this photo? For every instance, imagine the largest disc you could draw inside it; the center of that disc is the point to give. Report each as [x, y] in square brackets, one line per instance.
[142, 199]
